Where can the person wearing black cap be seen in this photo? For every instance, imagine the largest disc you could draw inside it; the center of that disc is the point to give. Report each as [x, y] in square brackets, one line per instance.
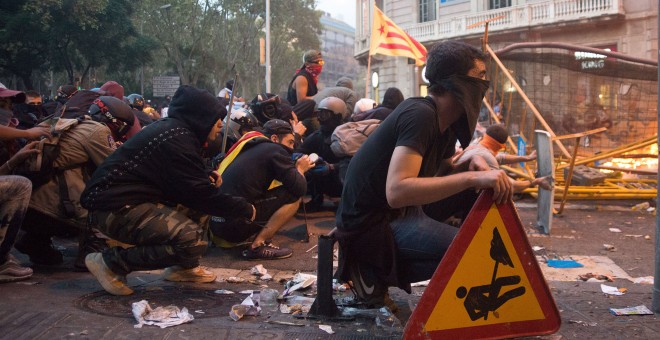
[400, 185]
[55, 204]
[260, 168]
[303, 84]
[154, 192]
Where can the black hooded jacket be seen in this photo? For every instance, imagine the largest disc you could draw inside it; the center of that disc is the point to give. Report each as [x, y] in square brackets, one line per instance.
[162, 163]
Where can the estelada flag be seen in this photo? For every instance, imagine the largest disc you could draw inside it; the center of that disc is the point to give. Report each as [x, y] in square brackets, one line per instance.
[389, 39]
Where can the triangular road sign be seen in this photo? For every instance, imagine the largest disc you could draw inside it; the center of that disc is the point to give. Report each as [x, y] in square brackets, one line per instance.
[488, 285]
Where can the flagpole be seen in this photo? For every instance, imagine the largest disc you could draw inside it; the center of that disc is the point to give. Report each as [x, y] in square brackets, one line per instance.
[366, 80]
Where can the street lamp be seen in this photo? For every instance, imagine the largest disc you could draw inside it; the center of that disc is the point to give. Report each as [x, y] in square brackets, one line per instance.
[268, 46]
[374, 83]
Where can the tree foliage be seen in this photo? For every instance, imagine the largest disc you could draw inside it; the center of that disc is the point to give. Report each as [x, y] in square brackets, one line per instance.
[69, 35]
[206, 42]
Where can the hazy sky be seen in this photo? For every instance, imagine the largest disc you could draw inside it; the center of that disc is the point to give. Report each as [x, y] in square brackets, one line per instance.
[340, 9]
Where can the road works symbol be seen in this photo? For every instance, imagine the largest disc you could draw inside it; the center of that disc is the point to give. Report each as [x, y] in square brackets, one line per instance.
[488, 285]
[481, 300]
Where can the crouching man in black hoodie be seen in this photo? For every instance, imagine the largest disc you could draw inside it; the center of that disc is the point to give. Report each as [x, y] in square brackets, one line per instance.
[154, 192]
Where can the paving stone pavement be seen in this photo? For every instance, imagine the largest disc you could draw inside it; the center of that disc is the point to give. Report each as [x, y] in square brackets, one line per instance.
[60, 303]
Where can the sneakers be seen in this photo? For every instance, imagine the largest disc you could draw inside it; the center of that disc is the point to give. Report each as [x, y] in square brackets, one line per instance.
[88, 243]
[267, 251]
[366, 286]
[179, 274]
[111, 282]
[11, 271]
[40, 251]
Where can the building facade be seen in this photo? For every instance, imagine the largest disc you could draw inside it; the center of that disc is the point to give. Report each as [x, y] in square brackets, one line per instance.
[337, 42]
[626, 26]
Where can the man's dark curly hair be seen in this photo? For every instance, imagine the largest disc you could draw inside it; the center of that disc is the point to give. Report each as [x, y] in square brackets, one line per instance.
[392, 98]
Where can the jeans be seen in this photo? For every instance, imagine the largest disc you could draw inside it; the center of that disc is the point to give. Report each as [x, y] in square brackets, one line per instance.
[15, 194]
[422, 242]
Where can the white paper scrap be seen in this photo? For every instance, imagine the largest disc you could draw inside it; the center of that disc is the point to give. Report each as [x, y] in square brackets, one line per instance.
[327, 329]
[643, 280]
[420, 283]
[610, 290]
[223, 291]
[258, 270]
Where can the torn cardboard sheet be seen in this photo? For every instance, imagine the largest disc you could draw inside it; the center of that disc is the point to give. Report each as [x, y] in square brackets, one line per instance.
[161, 316]
[592, 264]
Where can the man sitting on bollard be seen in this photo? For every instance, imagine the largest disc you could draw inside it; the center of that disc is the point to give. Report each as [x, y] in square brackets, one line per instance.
[400, 184]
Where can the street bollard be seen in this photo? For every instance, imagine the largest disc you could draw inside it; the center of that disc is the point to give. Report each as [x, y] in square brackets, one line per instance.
[324, 305]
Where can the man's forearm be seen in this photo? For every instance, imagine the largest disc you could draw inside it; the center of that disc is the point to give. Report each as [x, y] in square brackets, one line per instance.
[510, 159]
[7, 133]
[425, 190]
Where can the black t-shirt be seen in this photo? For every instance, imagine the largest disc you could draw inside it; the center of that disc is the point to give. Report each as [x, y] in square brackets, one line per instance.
[414, 124]
[258, 164]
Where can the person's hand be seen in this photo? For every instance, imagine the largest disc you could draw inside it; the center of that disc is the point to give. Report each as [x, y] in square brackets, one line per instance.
[304, 163]
[37, 132]
[298, 126]
[215, 178]
[25, 152]
[254, 214]
[498, 181]
[531, 156]
[478, 163]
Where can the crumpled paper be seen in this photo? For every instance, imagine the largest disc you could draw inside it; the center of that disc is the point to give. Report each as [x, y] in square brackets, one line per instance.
[299, 281]
[612, 290]
[261, 272]
[162, 317]
[327, 329]
[249, 306]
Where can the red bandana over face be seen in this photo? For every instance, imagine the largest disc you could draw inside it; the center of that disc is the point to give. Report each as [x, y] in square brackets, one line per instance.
[314, 70]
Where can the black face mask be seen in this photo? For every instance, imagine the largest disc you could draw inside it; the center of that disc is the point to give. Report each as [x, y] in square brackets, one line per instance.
[329, 120]
[28, 109]
[469, 91]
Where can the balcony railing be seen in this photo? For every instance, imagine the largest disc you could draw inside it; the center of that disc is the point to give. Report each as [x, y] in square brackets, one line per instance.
[527, 15]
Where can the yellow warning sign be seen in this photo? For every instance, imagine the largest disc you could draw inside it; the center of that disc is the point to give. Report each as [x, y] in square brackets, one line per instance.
[477, 297]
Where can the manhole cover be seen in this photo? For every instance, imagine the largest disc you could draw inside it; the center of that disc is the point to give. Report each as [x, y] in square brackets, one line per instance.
[196, 300]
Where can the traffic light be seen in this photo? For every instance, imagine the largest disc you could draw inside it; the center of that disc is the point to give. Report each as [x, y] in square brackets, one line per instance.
[262, 51]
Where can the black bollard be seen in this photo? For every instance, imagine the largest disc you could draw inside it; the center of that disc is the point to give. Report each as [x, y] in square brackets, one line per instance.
[324, 305]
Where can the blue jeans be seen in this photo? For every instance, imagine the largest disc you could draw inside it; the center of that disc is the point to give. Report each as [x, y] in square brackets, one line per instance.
[422, 242]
